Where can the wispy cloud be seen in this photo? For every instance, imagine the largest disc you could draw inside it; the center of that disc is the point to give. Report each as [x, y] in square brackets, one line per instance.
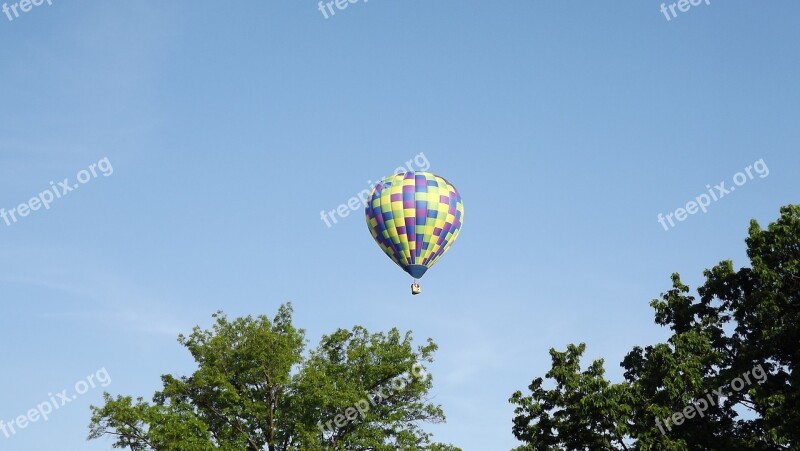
[136, 320]
[124, 303]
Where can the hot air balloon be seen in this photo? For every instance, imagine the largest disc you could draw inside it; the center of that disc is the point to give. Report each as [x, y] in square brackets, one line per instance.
[414, 217]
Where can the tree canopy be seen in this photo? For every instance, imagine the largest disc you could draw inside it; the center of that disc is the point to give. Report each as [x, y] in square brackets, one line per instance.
[255, 389]
[724, 380]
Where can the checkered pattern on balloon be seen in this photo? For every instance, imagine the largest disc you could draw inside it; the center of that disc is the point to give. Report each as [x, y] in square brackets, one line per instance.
[414, 217]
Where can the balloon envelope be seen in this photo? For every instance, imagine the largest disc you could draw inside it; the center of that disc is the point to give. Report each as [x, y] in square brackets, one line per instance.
[414, 217]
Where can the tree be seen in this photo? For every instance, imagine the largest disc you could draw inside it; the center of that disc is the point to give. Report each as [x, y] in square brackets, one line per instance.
[254, 390]
[724, 380]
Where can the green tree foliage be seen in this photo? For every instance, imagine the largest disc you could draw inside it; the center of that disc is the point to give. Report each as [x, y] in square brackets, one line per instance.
[740, 321]
[255, 390]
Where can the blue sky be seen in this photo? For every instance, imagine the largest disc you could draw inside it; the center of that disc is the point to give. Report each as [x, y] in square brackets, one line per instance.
[566, 126]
